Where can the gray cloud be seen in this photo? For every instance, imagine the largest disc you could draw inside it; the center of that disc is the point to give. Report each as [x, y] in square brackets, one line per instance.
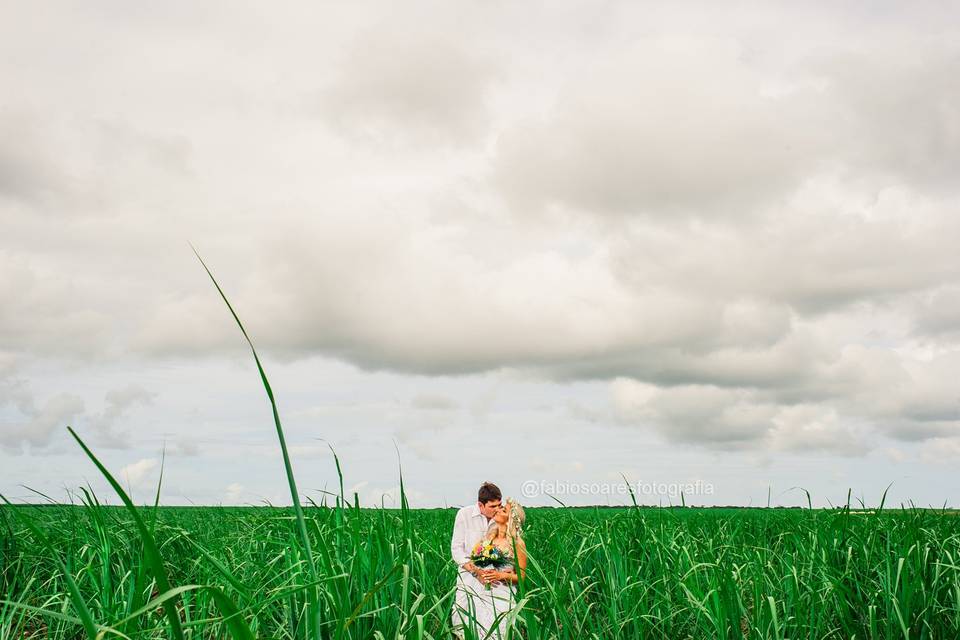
[841, 407]
[433, 402]
[37, 423]
[398, 85]
[183, 447]
[663, 127]
[25, 175]
[731, 419]
[43, 311]
[720, 126]
[117, 403]
[938, 314]
[900, 113]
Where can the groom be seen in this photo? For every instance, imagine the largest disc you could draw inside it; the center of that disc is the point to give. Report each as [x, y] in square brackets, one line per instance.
[469, 526]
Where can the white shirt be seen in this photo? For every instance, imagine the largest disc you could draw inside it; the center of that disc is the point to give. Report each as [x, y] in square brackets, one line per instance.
[468, 528]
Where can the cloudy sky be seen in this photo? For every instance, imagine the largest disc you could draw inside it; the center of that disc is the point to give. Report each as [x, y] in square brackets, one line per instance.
[553, 242]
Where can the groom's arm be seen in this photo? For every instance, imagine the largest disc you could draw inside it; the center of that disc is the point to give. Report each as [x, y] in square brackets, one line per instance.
[457, 547]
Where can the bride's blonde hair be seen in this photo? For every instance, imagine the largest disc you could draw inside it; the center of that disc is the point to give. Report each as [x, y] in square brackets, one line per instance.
[514, 523]
[517, 518]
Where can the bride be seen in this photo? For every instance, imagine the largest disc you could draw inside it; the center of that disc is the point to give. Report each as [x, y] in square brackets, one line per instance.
[490, 607]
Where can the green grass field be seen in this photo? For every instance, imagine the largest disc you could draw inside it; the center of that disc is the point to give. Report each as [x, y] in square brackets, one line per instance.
[595, 573]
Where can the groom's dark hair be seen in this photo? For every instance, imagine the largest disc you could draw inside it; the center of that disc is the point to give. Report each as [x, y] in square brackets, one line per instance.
[488, 492]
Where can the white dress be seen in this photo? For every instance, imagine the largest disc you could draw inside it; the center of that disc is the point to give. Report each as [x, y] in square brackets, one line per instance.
[486, 605]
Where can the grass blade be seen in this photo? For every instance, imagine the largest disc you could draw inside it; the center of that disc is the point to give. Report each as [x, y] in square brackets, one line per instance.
[154, 561]
[314, 605]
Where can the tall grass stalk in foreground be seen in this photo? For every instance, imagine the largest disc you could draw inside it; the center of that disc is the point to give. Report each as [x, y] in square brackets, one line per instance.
[314, 613]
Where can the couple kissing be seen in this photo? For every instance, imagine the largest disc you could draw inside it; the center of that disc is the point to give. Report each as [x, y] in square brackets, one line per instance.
[489, 550]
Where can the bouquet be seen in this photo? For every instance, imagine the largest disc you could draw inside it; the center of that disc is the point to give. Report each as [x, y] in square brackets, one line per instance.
[487, 554]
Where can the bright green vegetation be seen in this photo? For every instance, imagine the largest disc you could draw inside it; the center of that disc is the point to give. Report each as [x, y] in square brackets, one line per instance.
[600, 573]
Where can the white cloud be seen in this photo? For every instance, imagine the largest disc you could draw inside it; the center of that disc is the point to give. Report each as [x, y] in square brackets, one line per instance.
[234, 493]
[816, 429]
[139, 474]
[895, 455]
[941, 451]
[375, 496]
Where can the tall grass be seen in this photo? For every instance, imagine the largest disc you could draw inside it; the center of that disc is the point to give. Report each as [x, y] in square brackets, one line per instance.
[595, 573]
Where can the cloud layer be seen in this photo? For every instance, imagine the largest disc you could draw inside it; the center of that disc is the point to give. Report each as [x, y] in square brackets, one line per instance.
[747, 230]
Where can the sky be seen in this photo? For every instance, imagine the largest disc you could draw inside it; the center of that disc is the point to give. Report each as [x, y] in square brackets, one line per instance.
[564, 247]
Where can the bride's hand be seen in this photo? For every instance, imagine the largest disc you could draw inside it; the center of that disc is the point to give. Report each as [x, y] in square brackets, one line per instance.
[506, 577]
